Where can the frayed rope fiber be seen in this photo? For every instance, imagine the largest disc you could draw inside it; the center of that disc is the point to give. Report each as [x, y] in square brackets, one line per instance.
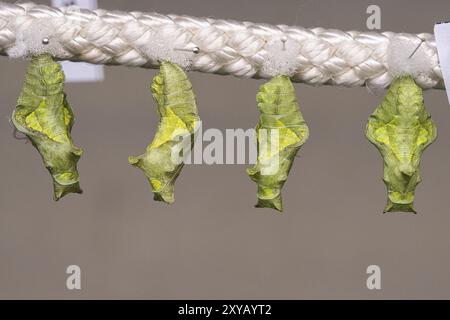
[314, 56]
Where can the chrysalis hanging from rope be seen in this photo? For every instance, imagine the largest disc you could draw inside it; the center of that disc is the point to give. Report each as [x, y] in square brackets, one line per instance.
[163, 159]
[401, 129]
[44, 116]
[281, 132]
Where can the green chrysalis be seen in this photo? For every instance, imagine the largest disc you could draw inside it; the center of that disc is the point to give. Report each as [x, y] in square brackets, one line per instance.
[179, 118]
[44, 116]
[401, 129]
[281, 132]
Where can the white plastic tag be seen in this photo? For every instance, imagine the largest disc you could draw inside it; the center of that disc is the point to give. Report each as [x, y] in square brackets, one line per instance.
[80, 71]
[442, 36]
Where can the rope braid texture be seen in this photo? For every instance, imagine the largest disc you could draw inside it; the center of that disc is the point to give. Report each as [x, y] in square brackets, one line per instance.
[314, 56]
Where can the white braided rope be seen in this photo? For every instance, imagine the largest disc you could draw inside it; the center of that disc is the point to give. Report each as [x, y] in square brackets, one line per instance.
[314, 56]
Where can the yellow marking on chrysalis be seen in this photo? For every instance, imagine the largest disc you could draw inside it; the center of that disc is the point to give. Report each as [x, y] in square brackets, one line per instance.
[39, 121]
[174, 127]
[67, 117]
[156, 184]
[382, 136]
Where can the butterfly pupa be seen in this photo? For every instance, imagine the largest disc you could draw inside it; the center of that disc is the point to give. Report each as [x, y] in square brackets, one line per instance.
[45, 117]
[401, 129]
[172, 91]
[280, 133]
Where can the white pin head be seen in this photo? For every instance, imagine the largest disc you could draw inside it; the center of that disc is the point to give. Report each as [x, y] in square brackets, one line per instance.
[34, 37]
[193, 50]
[284, 39]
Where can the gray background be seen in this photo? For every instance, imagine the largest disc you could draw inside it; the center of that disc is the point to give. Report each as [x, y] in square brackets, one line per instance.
[212, 243]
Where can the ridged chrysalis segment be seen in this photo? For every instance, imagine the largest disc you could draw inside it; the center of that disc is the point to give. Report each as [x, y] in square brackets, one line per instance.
[177, 109]
[44, 116]
[401, 129]
[281, 132]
